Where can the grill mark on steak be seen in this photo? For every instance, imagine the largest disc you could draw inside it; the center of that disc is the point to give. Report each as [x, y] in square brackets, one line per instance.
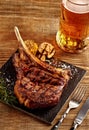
[36, 87]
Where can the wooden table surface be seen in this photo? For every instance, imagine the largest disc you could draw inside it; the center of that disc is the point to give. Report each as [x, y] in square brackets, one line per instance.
[38, 20]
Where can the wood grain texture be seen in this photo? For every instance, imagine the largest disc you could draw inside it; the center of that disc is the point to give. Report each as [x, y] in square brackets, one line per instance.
[38, 20]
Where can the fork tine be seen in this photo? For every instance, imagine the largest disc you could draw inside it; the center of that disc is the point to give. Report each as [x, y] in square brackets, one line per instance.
[79, 94]
[82, 93]
[76, 93]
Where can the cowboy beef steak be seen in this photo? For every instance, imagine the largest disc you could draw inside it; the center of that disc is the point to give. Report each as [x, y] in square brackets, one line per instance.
[36, 86]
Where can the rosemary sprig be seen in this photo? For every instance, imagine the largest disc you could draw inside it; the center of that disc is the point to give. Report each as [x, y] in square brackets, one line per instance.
[6, 95]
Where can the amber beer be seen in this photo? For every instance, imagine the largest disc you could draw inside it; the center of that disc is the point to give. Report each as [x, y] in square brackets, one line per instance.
[74, 26]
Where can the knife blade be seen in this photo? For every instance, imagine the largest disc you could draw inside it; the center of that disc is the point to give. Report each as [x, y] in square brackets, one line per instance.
[81, 115]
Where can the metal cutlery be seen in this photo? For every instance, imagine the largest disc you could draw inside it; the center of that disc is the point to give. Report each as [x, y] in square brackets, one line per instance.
[81, 115]
[73, 103]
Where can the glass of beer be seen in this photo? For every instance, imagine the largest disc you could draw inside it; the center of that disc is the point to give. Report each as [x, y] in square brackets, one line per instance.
[73, 33]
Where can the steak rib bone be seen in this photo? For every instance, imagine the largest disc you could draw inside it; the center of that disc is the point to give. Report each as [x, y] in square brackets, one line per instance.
[57, 71]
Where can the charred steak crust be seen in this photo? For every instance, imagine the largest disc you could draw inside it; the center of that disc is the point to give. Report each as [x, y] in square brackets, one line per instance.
[35, 86]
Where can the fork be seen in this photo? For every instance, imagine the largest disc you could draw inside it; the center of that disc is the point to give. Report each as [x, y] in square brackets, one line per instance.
[73, 103]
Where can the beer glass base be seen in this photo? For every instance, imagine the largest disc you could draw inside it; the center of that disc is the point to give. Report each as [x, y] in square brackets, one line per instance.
[65, 48]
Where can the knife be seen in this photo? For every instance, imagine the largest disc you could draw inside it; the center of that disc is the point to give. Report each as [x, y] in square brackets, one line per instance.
[81, 115]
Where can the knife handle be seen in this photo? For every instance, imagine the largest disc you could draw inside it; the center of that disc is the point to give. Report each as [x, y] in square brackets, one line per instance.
[74, 127]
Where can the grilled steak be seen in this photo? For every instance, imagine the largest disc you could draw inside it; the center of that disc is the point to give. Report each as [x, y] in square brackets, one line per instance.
[36, 86]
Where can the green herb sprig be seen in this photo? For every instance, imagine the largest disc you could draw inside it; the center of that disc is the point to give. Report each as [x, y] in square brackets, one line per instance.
[6, 95]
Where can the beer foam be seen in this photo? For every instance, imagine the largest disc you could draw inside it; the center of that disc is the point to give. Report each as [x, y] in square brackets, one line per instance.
[77, 6]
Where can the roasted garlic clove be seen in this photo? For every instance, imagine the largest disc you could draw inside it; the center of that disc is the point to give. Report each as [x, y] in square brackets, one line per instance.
[32, 46]
[46, 50]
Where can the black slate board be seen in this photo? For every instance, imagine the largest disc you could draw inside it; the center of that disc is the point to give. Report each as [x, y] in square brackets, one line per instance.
[8, 74]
